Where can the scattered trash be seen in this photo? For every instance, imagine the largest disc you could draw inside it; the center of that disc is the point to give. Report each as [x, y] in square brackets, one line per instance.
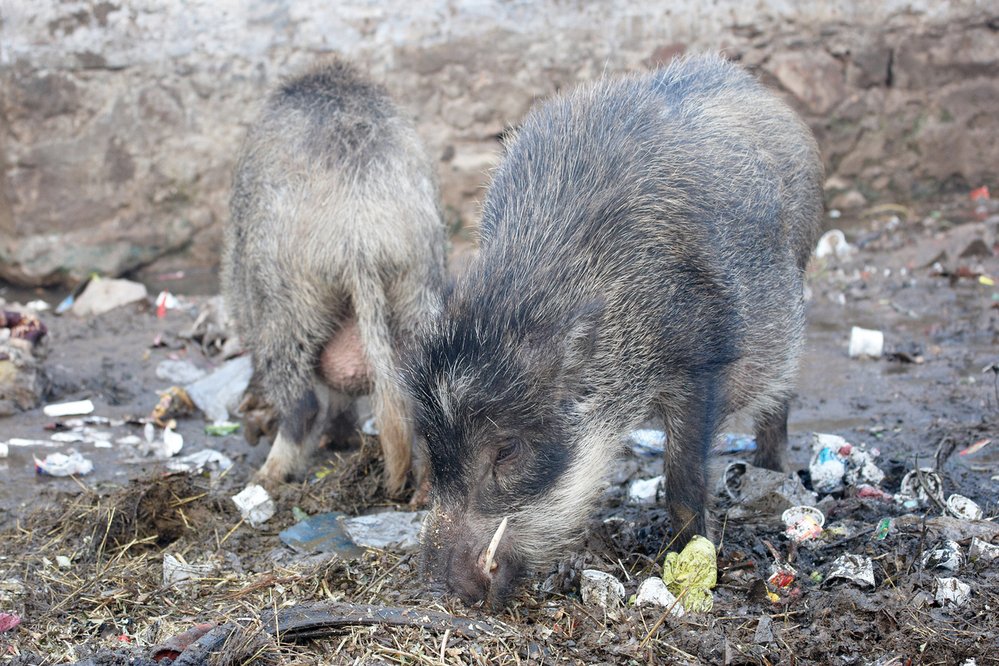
[69, 408]
[179, 573]
[691, 573]
[598, 588]
[980, 193]
[219, 394]
[647, 442]
[221, 429]
[837, 463]
[975, 448]
[388, 530]
[64, 464]
[865, 342]
[867, 491]
[644, 491]
[961, 507]
[833, 244]
[4, 450]
[760, 491]
[782, 575]
[918, 487]
[173, 402]
[254, 504]
[370, 428]
[20, 442]
[734, 443]
[803, 522]
[105, 294]
[23, 326]
[206, 459]
[38, 305]
[952, 592]
[653, 592]
[64, 562]
[178, 372]
[855, 568]
[982, 551]
[947, 527]
[8, 621]
[881, 531]
[165, 301]
[323, 533]
[947, 555]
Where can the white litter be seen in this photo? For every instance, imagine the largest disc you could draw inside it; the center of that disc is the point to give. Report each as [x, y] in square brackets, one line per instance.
[653, 592]
[64, 464]
[255, 505]
[600, 589]
[947, 555]
[961, 507]
[982, 551]
[833, 244]
[69, 408]
[388, 530]
[197, 462]
[866, 342]
[179, 573]
[952, 592]
[644, 491]
[854, 568]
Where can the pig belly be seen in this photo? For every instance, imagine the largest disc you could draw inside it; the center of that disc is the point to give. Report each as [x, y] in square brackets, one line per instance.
[343, 364]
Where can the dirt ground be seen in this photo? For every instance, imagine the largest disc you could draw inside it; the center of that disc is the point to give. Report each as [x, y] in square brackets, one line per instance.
[108, 604]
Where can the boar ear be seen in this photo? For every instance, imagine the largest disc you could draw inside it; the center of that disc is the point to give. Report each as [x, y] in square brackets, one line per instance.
[580, 336]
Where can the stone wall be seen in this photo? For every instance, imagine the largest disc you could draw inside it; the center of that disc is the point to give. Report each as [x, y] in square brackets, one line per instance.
[120, 119]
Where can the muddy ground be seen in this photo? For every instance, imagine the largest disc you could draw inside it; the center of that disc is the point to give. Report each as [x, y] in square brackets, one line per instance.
[108, 602]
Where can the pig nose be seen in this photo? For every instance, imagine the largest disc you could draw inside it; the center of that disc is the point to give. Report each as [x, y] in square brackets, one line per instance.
[466, 578]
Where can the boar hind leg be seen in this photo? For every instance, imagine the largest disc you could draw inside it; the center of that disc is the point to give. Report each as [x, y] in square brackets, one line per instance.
[299, 435]
[771, 438]
[691, 423]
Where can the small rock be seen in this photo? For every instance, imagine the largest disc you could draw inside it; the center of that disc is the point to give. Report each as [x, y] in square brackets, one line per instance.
[105, 294]
[764, 631]
[849, 200]
[600, 589]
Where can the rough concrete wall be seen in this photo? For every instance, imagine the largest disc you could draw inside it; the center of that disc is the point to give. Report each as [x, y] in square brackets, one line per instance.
[120, 120]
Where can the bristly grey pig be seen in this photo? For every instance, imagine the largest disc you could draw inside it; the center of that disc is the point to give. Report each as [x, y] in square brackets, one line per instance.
[335, 251]
[643, 247]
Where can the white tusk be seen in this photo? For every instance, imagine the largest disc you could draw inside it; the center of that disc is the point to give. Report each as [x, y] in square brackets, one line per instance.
[493, 545]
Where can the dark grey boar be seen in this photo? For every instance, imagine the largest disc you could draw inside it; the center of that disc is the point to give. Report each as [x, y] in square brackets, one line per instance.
[333, 257]
[643, 246]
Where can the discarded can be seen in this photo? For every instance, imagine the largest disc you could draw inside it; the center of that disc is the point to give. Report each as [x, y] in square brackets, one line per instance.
[866, 342]
[855, 568]
[982, 551]
[921, 486]
[803, 522]
[961, 507]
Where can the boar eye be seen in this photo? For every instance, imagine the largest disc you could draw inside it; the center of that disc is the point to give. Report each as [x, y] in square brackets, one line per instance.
[508, 451]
